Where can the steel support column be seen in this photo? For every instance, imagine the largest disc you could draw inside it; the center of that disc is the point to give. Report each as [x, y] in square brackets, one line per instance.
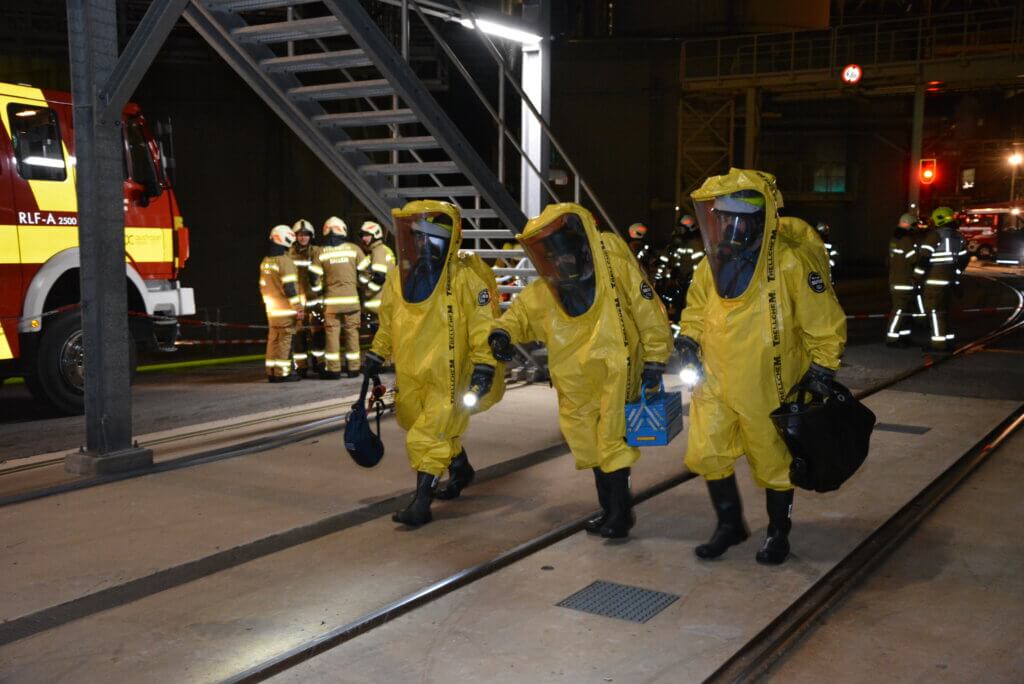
[752, 126]
[916, 130]
[92, 36]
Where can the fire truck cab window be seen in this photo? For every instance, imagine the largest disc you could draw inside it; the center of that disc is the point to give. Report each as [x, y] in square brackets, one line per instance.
[37, 145]
[141, 167]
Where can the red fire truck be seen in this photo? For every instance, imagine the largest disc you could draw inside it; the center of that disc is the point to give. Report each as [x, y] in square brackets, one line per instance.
[40, 325]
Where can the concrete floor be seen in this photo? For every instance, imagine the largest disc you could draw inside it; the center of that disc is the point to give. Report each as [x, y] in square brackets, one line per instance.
[947, 606]
[221, 622]
[478, 634]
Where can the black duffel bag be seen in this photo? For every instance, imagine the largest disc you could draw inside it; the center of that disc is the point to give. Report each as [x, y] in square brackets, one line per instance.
[362, 444]
[828, 435]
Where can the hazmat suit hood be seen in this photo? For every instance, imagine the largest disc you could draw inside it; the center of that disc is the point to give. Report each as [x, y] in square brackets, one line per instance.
[738, 214]
[563, 244]
[428, 234]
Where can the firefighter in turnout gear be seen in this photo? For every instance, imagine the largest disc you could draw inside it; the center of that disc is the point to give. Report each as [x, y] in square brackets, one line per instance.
[435, 315]
[375, 266]
[307, 353]
[825, 233]
[761, 317]
[942, 253]
[903, 290]
[280, 289]
[641, 247]
[607, 336]
[338, 258]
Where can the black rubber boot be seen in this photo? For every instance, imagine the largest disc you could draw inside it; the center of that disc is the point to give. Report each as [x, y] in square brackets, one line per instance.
[731, 529]
[418, 511]
[620, 517]
[594, 525]
[460, 475]
[776, 545]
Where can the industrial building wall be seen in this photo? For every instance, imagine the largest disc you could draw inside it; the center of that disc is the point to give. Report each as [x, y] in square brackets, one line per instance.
[614, 110]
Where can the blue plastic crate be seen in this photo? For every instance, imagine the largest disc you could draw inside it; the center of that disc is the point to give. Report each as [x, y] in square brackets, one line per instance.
[654, 420]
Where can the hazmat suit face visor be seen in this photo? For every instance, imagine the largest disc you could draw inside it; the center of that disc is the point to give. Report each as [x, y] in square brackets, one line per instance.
[733, 229]
[561, 254]
[423, 241]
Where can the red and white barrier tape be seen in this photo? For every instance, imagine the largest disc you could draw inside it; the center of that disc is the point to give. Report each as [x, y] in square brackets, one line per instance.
[196, 343]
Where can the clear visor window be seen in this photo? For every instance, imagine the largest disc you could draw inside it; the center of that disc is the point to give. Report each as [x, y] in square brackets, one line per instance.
[561, 254]
[423, 242]
[732, 227]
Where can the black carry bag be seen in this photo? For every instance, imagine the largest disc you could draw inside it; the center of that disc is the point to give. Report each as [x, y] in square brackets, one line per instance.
[363, 445]
[828, 436]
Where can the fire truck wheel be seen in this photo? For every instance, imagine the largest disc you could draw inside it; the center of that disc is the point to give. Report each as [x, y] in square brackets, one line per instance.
[59, 378]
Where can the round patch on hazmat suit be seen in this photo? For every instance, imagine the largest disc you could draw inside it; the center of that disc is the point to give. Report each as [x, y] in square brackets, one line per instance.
[816, 282]
[645, 291]
[483, 297]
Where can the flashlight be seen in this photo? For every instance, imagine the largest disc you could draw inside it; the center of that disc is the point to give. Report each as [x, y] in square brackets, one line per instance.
[470, 399]
[690, 375]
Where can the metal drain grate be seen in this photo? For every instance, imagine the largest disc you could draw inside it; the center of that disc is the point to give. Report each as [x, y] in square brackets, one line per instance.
[619, 601]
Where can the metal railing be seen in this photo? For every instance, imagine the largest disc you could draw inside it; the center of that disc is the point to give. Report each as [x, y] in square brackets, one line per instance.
[429, 12]
[941, 37]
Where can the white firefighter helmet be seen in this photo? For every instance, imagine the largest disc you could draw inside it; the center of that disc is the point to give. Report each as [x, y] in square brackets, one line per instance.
[335, 226]
[282, 235]
[373, 230]
[303, 225]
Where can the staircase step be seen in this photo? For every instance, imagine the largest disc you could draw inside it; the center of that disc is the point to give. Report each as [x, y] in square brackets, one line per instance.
[371, 118]
[485, 233]
[342, 91]
[417, 142]
[284, 31]
[478, 213]
[515, 272]
[316, 61]
[500, 254]
[251, 5]
[433, 191]
[510, 289]
[410, 168]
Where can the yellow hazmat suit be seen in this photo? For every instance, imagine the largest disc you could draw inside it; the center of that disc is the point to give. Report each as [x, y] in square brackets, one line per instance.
[435, 344]
[595, 358]
[756, 346]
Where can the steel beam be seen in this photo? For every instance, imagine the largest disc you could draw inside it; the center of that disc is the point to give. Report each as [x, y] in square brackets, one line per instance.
[92, 37]
[917, 128]
[752, 119]
[145, 42]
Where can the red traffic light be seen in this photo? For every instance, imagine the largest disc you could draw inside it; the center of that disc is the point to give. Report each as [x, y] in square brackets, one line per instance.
[852, 73]
[927, 171]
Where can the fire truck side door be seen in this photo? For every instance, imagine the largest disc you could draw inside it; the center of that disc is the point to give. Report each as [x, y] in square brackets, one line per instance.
[10, 256]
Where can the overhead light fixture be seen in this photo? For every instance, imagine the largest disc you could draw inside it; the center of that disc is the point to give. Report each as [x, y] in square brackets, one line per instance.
[27, 112]
[1015, 159]
[501, 31]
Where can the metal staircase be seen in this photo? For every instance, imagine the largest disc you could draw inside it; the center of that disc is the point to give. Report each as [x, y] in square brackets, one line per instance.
[331, 74]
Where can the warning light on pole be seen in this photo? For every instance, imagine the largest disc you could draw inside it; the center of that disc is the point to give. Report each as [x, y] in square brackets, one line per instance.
[852, 74]
[927, 172]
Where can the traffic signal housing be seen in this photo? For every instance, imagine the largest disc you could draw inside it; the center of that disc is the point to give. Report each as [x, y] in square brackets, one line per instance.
[927, 171]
